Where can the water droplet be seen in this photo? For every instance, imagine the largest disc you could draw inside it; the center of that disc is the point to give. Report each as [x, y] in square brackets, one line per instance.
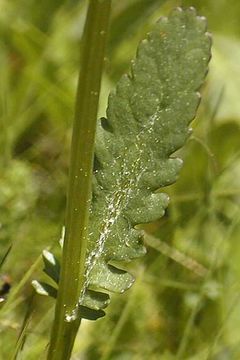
[72, 315]
[127, 243]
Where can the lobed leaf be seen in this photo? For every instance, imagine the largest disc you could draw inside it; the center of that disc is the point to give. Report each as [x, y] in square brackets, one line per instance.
[148, 116]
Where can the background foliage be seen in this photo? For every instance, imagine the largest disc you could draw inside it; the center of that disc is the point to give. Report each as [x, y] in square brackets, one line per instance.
[174, 310]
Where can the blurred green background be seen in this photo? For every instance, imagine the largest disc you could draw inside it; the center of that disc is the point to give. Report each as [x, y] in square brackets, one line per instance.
[174, 310]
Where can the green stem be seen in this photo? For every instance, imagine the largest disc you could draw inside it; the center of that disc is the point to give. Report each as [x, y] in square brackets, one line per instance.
[67, 317]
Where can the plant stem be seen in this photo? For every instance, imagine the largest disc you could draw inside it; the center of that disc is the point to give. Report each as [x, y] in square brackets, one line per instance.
[67, 317]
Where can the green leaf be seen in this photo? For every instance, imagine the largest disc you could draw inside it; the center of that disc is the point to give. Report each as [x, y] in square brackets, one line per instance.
[147, 121]
[92, 304]
[52, 266]
[45, 289]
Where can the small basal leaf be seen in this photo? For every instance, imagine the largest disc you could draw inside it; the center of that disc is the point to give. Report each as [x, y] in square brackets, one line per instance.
[52, 266]
[45, 289]
[148, 119]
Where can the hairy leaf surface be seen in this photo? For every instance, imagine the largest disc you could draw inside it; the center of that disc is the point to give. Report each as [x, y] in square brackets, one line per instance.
[147, 121]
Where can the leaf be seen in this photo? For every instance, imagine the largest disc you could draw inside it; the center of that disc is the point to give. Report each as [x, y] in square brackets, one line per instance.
[45, 289]
[92, 304]
[147, 121]
[52, 266]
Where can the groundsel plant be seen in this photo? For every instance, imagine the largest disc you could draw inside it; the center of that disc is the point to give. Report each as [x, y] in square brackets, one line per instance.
[147, 120]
